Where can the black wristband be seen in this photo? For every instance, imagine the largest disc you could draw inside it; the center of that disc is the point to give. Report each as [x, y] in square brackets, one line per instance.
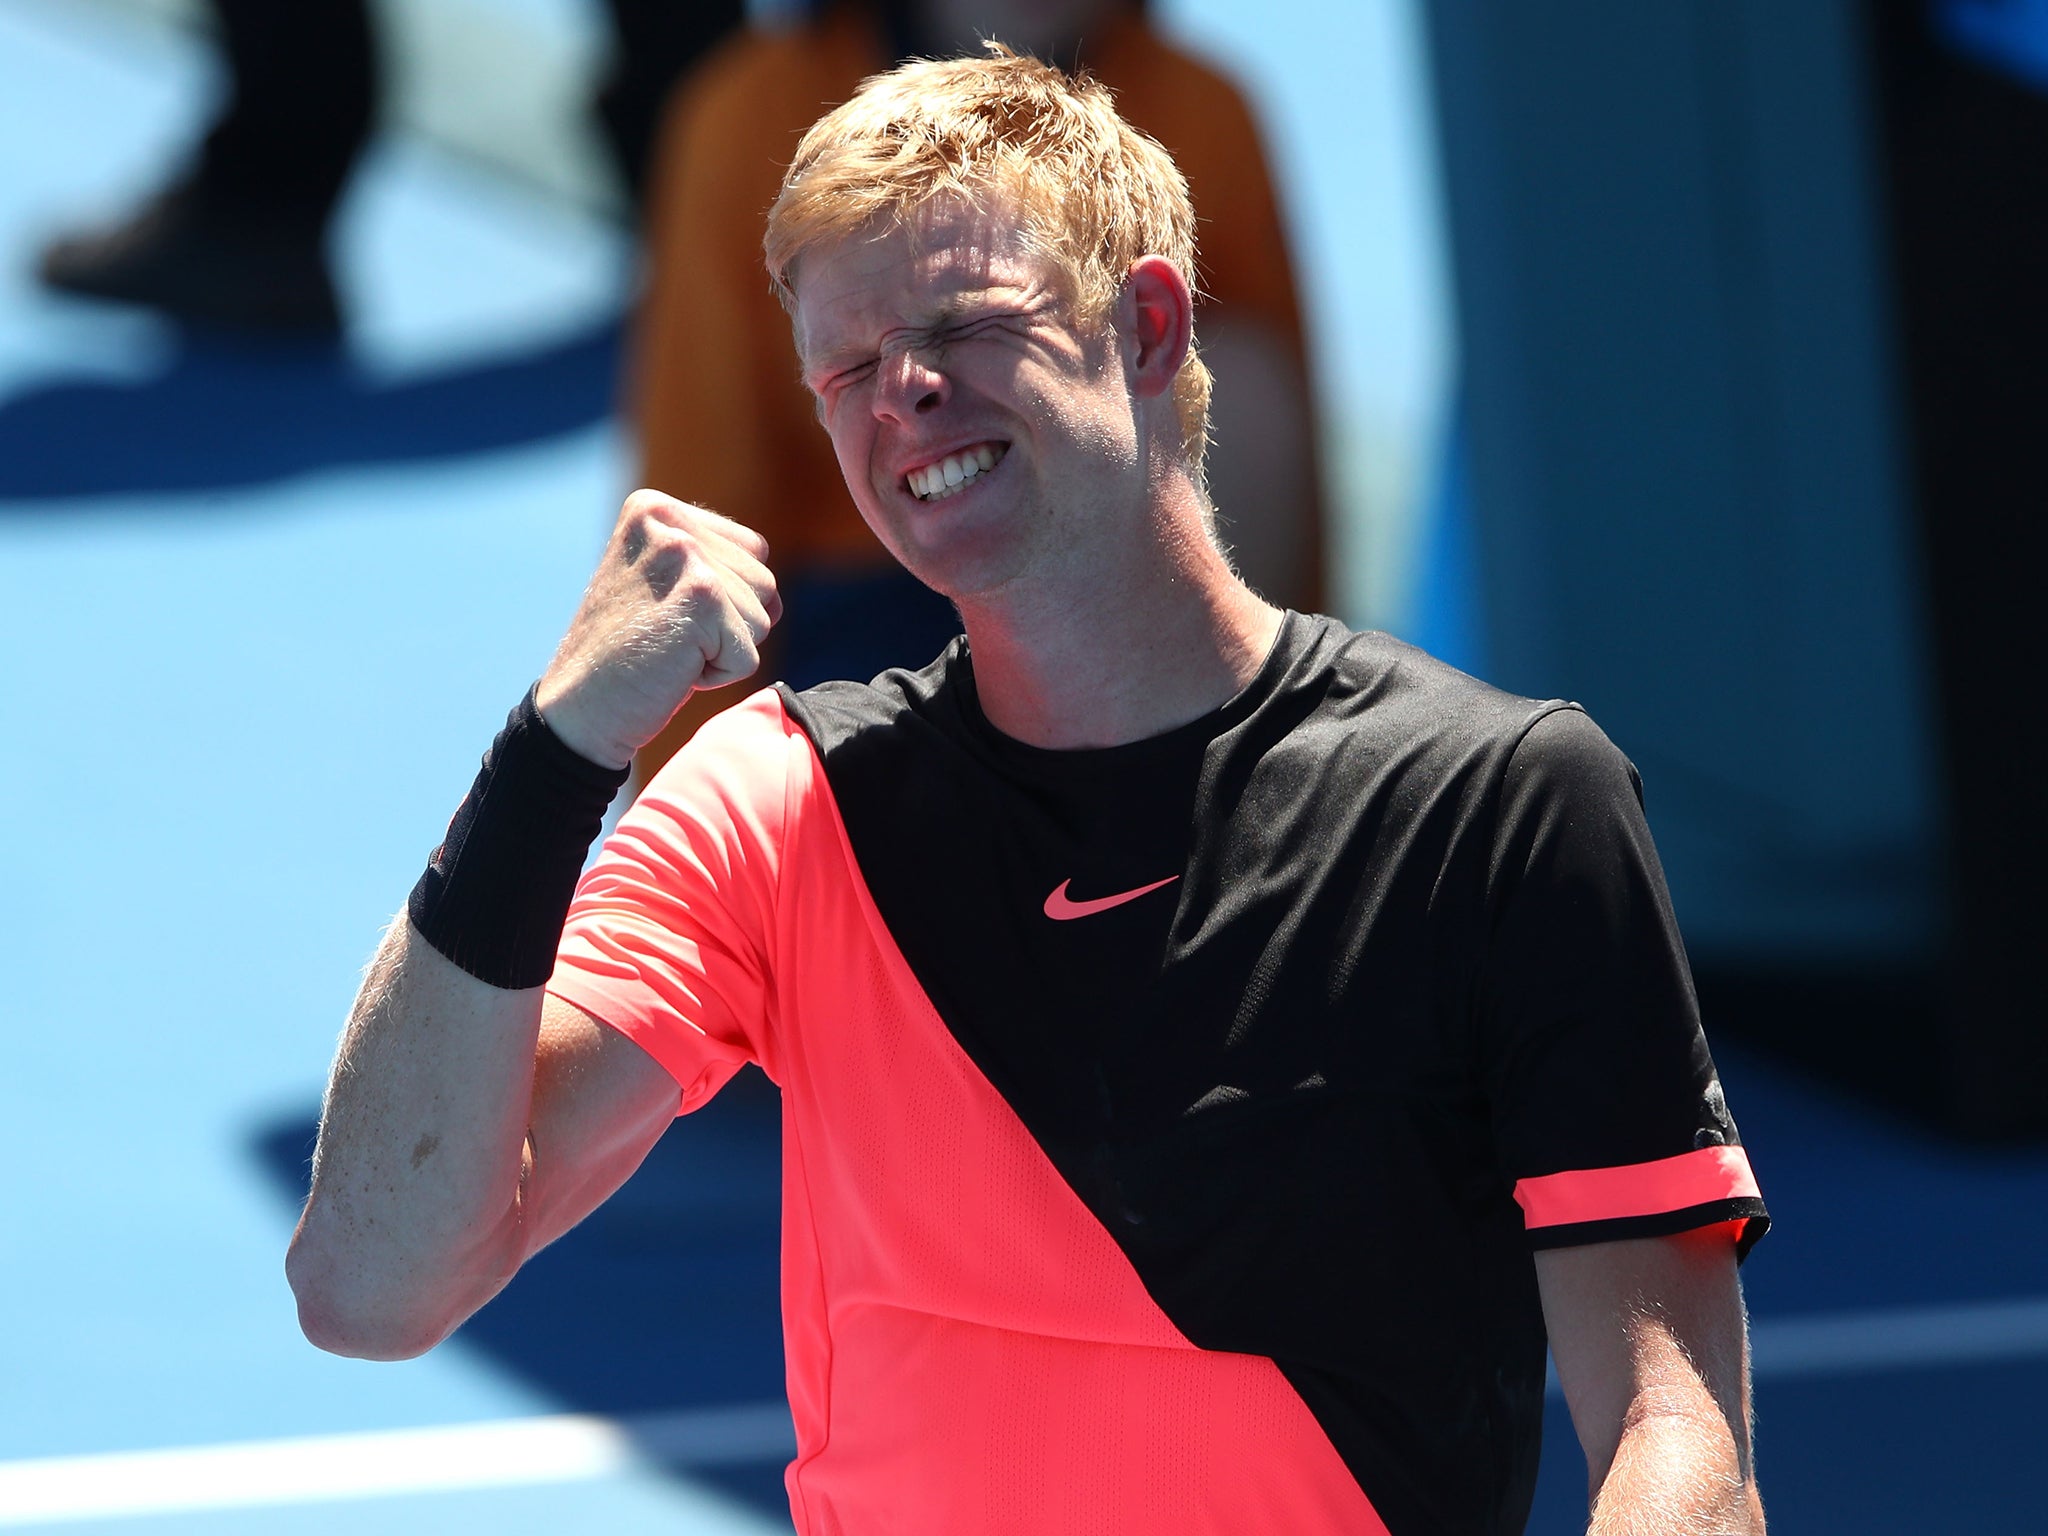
[496, 892]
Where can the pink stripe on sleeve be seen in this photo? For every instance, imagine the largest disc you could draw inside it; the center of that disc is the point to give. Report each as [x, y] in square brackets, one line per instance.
[1637, 1189]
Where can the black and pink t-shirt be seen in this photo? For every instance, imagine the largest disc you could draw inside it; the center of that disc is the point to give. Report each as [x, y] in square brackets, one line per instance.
[1167, 1127]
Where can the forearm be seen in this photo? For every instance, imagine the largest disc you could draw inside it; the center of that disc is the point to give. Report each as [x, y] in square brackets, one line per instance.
[422, 1204]
[1677, 1471]
[1650, 1344]
[414, 1219]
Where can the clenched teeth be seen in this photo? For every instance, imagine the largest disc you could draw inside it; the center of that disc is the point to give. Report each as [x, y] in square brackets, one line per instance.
[935, 482]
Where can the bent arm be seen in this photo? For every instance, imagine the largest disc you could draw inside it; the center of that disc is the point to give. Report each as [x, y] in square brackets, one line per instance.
[1652, 1349]
[469, 1124]
[465, 1127]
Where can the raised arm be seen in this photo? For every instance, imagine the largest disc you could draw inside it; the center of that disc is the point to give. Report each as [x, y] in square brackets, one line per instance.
[467, 1123]
[1652, 1349]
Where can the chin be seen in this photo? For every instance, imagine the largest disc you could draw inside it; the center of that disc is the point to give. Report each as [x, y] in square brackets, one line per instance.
[961, 571]
[958, 559]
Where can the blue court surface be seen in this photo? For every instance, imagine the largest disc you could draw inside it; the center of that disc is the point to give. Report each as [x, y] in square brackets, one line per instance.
[260, 610]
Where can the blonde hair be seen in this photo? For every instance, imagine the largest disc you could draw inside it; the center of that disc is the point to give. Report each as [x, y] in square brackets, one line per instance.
[1091, 194]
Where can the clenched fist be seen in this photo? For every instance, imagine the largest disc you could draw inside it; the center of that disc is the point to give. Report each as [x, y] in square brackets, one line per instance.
[682, 599]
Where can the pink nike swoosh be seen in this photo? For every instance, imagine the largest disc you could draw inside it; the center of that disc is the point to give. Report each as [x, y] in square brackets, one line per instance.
[1060, 908]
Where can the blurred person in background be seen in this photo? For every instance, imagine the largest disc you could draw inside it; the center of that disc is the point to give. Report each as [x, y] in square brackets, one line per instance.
[743, 436]
[238, 240]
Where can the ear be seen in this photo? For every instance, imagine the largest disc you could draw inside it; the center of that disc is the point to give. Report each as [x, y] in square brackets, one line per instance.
[1156, 317]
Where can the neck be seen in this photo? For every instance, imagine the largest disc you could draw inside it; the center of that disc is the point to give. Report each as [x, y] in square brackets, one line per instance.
[1124, 649]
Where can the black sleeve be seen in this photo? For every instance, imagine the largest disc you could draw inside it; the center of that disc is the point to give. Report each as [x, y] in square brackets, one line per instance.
[1607, 1114]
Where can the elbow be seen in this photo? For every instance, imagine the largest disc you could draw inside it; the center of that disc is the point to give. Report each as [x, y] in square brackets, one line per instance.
[361, 1335]
[352, 1317]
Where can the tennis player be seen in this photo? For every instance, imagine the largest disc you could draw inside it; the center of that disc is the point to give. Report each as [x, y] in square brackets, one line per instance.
[1218, 1049]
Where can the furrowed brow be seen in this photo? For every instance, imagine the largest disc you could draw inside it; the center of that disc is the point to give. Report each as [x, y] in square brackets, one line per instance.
[943, 313]
[958, 306]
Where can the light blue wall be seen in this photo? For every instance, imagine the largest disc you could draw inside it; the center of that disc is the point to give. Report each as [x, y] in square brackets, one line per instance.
[1684, 462]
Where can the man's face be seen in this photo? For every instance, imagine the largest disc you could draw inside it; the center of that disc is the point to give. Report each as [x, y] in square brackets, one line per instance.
[978, 428]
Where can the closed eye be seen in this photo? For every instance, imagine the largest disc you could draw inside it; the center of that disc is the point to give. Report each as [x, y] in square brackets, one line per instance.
[823, 392]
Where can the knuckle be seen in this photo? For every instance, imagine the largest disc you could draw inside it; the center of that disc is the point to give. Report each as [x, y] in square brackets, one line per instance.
[698, 583]
[735, 532]
[701, 575]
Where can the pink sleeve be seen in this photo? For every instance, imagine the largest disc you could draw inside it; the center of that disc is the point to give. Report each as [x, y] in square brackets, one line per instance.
[1709, 1176]
[668, 939]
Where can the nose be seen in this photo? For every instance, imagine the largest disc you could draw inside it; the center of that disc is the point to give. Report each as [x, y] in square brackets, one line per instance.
[909, 386]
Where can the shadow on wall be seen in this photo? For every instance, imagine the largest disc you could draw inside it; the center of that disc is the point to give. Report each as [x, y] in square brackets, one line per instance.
[667, 1298]
[229, 414]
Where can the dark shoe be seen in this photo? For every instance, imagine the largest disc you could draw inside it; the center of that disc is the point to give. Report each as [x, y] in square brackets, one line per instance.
[201, 265]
